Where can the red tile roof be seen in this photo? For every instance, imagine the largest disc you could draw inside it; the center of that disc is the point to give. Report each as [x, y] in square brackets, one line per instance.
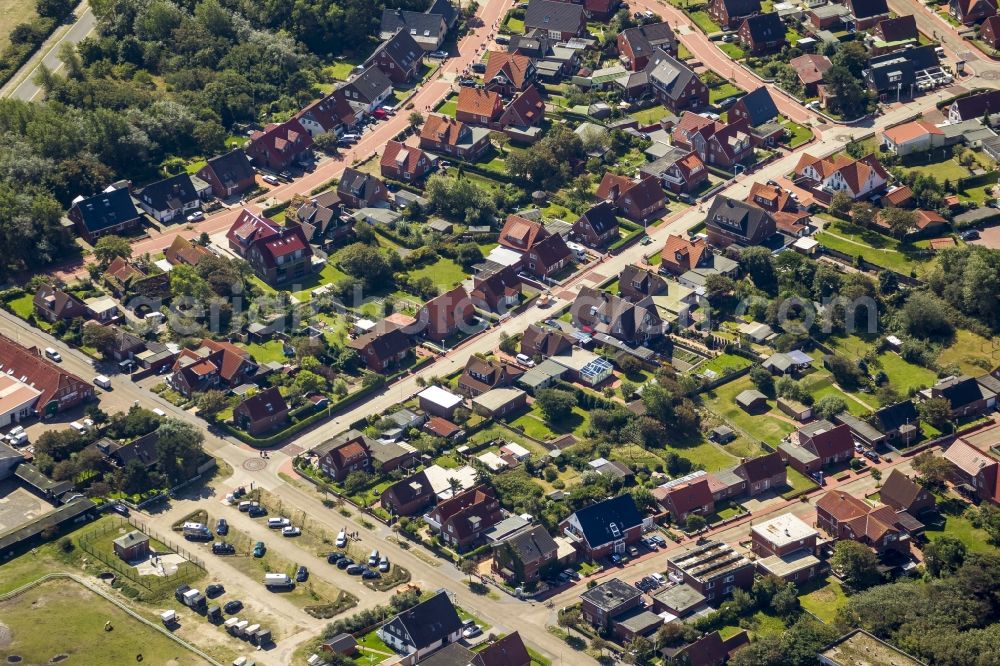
[18, 362]
[513, 66]
[478, 102]
[683, 252]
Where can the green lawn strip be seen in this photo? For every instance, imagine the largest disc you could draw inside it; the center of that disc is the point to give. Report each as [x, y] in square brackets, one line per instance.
[904, 375]
[722, 92]
[948, 169]
[273, 350]
[724, 364]
[798, 481]
[651, 115]
[874, 247]
[971, 352]
[532, 426]
[704, 21]
[23, 306]
[340, 70]
[732, 50]
[194, 166]
[823, 598]
[959, 527]
[66, 618]
[449, 108]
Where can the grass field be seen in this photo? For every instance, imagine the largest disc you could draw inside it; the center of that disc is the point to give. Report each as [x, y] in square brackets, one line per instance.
[328, 275]
[12, 13]
[534, 423]
[961, 528]
[23, 306]
[715, 95]
[823, 598]
[273, 350]
[764, 427]
[724, 364]
[65, 618]
[973, 353]
[903, 375]
[444, 272]
[732, 50]
[711, 456]
[799, 133]
[449, 108]
[651, 115]
[704, 21]
[877, 248]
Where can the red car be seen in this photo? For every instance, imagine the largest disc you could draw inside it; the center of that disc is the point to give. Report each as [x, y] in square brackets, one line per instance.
[380, 114]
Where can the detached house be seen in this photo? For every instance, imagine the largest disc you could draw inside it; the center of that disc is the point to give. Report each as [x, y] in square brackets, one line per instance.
[675, 84]
[382, 350]
[904, 494]
[508, 73]
[323, 220]
[280, 145]
[399, 57]
[970, 12]
[758, 109]
[763, 33]
[729, 14]
[598, 226]
[640, 201]
[599, 312]
[212, 365]
[53, 304]
[989, 31]
[348, 452]
[498, 292]
[276, 253]
[711, 568]
[366, 91]
[965, 396]
[426, 29]
[183, 251]
[681, 256]
[170, 198]
[732, 222]
[525, 556]
[462, 520]
[332, 114]
[229, 175]
[856, 178]
[357, 189]
[636, 45]
[446, 135]
[975, 469]
[844, 516]
[447, 314]
[106, 213]
[607, 527]
[636, 284]
[525, 111]
[811, 68]
[405, 163]
[261, 413]
[547, 257]
[521, 234]
[545, 342]
[680, 171]
[818, 445]
[409, 496]
[557, 20]
[423, 629]
[684, 497]
[478, 106]
[482, 375]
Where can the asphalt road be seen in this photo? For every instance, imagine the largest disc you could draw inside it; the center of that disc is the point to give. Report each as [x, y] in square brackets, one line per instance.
[22, 85]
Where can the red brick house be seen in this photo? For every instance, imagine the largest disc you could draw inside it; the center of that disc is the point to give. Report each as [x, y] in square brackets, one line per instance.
[548, 256]
[730, 145]
[692, 133]
[277, 253]
[763, 33]
[603, 528]
[680, 255]
[640, 201]
[211, 365]
[482, 375]
[105, 213]
[598, 226]
[280, 145]
[60, 390]
[447, 314]
[844, 516]
[442, 134]
[782, 536]
[989, 31]
[462, 520]
[399, 57]
[970, 12]
[557, 20]
[810, 68]
[53, 304]
[497, 292]
[545, 342]
[684, 499]
[409, 496]
[229, 175]
[818, 445]
[732, 222]
[729, 14]
[357, 189]
[636, 45]
[527, 109]
[346, 453]
[382, 350]
[261, 413]
[521, 234]
[508, 73]
[677, 171]
[330, 114]
[601, 604]
[405, 163]
[477, 106]
[524, 557]
[762, 473]
[712, 568]
[974, 468]
[904, 494]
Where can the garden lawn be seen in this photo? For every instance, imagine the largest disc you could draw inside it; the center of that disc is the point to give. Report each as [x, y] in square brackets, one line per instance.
[724, 364]
[767, 427]
[904, 375]
[877, 248]
[515, 25]
[704, 21]
[710, 455]
[449, 108]
[273, 350]
[715, 95]
[973, 353]
[959, 527]
[194, 166]
[328, 275]
[651, 115]
[732, 50]
[821, 385]
[800, 134]
[798, 481]
[341, 70]
[23, 306]
[65, 618]
[948, 169]
[444, 272]
[823, 598]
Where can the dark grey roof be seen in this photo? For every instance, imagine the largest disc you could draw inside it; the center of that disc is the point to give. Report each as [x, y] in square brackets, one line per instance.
[737, 217]
[550, 15]
[429, 621]
[369, 84]
[645, 38]
[961, 391]
[883, 70]
[356, 183]
[601, 217]
[532, 544]
[681, 598]
[895, 416]
[445, 10]
[668, 74]
[759, 105]
[418, 24]
[975, 106]
[36, 526]
[402, 48]
[455, 654]
[107, 209]
[766, 27]
[611, 594]
[607, 521]
[868, 8]
[231, 167]
[741, 7]
[169, 194]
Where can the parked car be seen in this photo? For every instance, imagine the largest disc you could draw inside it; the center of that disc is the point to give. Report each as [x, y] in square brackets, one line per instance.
[290, 531]
[234, 606]
[301, 574]
[472, 632]
[196, 216]
[355, 569]
[222, 527]
[53, 354]
[269, 179]
[969, 235]
[479, 67]
[341, 539]
[278, 522]
[871, 455]
[383, 564]
[344, 563]
[223, 548]
[633, 551]
[615, 559]
[214, 590]
[259, 549]
[370, 574]
[120, 509]
[438, 55]
[333, 558]
[257, 511]
[525, 360]
[373, 558]
[468, 83]
[285, 176]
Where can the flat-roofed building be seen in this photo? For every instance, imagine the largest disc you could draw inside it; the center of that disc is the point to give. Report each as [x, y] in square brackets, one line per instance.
[712, 568]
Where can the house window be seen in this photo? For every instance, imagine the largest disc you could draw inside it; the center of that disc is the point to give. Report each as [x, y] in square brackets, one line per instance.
[709, 585]
[728, 579]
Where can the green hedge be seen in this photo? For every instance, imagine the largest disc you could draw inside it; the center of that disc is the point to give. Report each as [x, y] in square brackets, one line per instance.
[627, 240]
[274, 210]
[15, 55]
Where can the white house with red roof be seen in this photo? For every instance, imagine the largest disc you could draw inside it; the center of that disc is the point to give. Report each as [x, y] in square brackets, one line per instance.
[856, 178]
[913, 137]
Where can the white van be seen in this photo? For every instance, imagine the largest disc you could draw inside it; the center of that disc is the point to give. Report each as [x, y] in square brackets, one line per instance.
[373, 558]
[79, 427]
[159, 412]
[103, 382]
[275, 523]
[277, 580]
[53, 354]
[342, 539]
